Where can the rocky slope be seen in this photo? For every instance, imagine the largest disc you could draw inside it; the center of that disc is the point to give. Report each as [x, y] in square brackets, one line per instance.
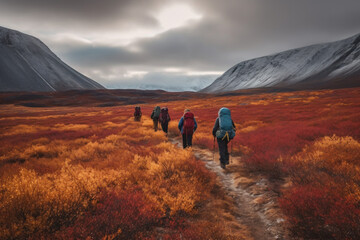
[335, 64]
[27, 64]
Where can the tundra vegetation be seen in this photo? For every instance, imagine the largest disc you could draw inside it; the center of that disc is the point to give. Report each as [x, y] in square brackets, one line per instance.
[92, 172]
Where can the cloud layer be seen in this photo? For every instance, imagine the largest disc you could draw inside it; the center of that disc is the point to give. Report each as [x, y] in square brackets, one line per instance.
[127, 44]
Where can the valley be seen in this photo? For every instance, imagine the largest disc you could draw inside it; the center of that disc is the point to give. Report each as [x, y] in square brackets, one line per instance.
[67, 171]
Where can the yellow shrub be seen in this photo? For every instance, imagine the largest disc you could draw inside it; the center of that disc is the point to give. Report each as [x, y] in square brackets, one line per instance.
[24, 129]
[70, 127]
[91, 151]
[170, 180]
[203, 139]
[147, 122]
[31, 203]
[173, 129]
[57, 190]
[113, 125]
[260, 102]
[331, 158]
[251, 126]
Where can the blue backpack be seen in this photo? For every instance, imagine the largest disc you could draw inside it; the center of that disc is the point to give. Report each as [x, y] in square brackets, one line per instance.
[226, 130]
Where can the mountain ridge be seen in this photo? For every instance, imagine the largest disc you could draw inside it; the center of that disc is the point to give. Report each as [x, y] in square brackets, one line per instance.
[27, 64]
[333, 64]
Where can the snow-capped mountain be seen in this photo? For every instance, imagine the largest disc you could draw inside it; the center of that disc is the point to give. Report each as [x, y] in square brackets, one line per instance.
[335, 64]
[177, 83]
[27, 64]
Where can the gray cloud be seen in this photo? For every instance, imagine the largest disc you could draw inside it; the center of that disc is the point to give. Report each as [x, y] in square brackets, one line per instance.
[85, 14]
[176, 48]
[230, 31]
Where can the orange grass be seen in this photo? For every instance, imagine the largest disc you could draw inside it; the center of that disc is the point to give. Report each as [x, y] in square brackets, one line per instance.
[57, 173]
[57, 164]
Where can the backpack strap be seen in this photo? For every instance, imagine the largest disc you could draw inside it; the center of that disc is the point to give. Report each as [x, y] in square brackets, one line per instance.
[226, 136]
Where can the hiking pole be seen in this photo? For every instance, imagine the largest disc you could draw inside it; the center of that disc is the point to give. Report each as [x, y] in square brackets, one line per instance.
[230, 151]
[184, 132]
[214, 150]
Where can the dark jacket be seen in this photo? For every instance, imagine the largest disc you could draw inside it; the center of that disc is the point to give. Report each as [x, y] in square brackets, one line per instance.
[181, 124]
[165, 120]
[217, 126]
[140, 114]
[153, 117]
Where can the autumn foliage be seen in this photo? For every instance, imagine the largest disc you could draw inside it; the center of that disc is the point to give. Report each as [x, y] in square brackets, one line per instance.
[117, 214]
[70, 173]
[309, 137]
[324, 202]
[104, 178]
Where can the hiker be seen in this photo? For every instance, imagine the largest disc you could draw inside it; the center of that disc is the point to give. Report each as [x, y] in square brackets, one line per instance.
[164, 119]
[137, 114]
[224, 130]
[155, 117]
[187, 126]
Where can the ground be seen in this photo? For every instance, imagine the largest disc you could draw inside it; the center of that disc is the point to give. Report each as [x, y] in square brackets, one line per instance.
[80, 167]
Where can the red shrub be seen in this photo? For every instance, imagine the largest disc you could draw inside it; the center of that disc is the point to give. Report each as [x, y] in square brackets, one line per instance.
[321, 213]
[123, 214]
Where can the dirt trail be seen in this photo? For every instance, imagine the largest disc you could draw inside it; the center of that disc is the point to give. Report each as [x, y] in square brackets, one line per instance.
[254, 196]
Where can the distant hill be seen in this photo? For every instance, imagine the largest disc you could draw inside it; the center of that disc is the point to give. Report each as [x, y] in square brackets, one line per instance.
[328, 65]
[27, 64]
[99, 98]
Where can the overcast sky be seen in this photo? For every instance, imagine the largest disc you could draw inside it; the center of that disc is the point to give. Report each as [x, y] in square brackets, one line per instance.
[175, 44]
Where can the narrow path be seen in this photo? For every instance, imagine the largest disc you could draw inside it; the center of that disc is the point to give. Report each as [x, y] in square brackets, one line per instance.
[254, 196]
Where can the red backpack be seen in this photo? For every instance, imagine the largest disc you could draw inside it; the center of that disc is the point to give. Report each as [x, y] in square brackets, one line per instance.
[189, 123]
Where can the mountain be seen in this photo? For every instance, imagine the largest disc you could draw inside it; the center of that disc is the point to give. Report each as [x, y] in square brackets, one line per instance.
[173, 84]
[27, 64]
[329, 65]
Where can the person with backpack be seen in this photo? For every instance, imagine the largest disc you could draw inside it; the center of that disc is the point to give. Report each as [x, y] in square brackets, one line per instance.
[164, 119]
[187, 126]
[137, 114]
[224, 131]
[155, 117]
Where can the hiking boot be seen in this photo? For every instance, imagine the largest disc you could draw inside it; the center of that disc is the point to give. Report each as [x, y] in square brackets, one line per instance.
[223, 166]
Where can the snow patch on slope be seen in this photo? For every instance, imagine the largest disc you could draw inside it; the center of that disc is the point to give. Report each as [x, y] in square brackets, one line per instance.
[323, 61]
[27, 64]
